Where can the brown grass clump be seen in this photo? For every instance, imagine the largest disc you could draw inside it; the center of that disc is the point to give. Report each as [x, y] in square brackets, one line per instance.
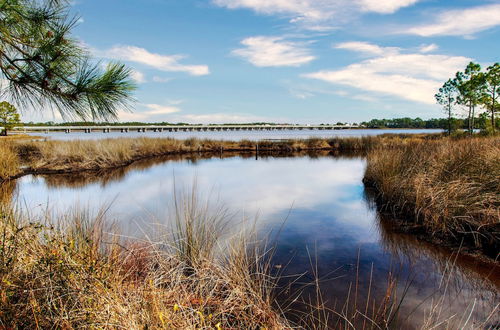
[9, 161]
[450, 187]
[78, 274]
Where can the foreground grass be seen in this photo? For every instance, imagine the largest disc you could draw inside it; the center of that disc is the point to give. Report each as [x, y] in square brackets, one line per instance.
[81, 274]
[450, 188]
[21, 157]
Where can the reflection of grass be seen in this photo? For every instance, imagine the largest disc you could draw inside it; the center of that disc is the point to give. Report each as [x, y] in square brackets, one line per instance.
[450, 187]
[74, 156]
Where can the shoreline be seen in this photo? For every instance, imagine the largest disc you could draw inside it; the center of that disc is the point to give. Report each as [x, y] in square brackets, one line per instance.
[445, 192]
[79, 157]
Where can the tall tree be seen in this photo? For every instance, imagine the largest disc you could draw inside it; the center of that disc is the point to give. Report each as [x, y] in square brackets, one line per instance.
[492, 79]
[470, 85]
[44, 66]
[447, 98]
[8, 117]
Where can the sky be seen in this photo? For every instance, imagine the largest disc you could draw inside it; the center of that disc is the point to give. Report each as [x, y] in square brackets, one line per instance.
[293, 61]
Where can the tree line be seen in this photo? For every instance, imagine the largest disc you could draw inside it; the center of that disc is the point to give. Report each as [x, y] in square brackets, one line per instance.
[474, 90]
[481, 122]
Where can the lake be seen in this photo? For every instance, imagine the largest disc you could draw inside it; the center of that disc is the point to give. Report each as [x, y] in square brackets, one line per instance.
[236, 135]
[318, 211]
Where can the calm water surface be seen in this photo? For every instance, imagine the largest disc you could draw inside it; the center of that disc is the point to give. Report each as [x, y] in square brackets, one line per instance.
[330, 221]
[236, 135]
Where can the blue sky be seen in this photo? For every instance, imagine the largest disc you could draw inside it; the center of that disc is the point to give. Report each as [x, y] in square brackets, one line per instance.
[300, 61]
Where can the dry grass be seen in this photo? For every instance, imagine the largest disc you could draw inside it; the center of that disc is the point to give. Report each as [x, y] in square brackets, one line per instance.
[9, 161]
[450, 187]
[80, 274]
[80, 155]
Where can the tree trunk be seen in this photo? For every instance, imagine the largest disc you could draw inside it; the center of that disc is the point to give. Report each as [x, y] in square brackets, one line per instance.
[469, 119]
[449, 116]
[473, 113]
[493, 111]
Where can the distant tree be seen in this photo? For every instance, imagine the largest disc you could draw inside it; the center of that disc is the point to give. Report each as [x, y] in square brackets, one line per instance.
[447, 97]
[44, 66]
[470, 85]
[8, 117]
[490, 100]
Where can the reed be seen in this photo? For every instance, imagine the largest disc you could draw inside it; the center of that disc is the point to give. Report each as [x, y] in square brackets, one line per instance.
[451, 188]
[79, 273]
[9, 161]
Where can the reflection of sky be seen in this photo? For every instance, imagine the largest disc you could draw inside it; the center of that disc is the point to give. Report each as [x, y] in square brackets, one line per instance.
[264, 187]
[236, 135]
[322, 200]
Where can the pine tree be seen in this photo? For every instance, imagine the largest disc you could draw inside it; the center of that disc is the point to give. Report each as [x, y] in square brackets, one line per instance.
[447, 98]
[8, 117]
[43, 66]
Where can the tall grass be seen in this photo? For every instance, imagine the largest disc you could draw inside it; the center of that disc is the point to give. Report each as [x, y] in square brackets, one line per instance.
[80, 273]
[9, 161]
[449, 187]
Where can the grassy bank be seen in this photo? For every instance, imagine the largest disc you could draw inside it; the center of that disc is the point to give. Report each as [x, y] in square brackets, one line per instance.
[449, 188]
[20, 157]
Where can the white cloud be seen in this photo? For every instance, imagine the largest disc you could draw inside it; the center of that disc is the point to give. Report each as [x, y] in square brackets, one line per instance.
[414, 77]
[264, 51]
[138, 77]
[169, 63]
[300, 94]
[367, 48]
[175, 102]
[428, 48]
[153, 111]
[161, 79]
[461, 22]
[156, 109]
[220, 118]
[385, 6]
[310, 12]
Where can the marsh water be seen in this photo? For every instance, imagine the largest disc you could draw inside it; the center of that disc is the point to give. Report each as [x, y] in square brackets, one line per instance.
[321, 217]
[236, 135]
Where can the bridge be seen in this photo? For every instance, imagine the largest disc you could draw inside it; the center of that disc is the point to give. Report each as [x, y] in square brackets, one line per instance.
[175, 128]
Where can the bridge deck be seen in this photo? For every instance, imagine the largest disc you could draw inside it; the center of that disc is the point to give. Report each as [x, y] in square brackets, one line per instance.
[176, 128]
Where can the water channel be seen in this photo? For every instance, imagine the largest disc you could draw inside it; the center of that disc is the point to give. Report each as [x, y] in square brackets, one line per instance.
[325, 218]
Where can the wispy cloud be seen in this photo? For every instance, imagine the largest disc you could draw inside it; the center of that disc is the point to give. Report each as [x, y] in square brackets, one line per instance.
[428, 48]
[314, 13]
[460, 22]
[161, 79]
[264, 51]
[138, 77]
[169, 63]
[414, 77]
[367, 48]
[384, 6]
[222, 118]
[149, 112]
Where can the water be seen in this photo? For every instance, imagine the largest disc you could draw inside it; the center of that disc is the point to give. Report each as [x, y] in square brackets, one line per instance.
[235, 135]
[328, 220]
